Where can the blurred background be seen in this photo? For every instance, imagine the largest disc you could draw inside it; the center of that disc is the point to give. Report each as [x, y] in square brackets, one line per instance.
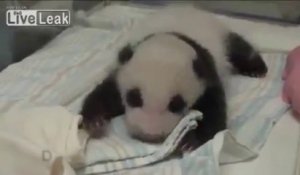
[19, 42]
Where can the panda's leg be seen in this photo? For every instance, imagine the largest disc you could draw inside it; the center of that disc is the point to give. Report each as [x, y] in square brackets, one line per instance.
[244, 58]
[213, 106]
[102, 104]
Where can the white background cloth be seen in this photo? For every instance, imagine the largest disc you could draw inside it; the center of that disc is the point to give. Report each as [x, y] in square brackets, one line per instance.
[31, 139]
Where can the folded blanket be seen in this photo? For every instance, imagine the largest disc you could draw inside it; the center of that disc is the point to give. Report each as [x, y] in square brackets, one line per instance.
[108, 162]
[32, 139]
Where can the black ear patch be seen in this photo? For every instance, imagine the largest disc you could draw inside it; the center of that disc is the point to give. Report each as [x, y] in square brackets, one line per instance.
[125, 54]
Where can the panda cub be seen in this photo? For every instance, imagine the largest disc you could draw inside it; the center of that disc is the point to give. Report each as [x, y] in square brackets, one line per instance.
[175, 60]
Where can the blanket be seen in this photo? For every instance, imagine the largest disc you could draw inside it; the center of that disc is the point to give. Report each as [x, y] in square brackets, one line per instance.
[32, 139]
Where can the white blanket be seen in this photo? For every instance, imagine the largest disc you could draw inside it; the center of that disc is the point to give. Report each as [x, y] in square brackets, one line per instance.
[32, 139]
[64, 71]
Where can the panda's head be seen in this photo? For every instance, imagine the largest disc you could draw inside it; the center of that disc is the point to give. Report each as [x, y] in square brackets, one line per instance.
[159, 79]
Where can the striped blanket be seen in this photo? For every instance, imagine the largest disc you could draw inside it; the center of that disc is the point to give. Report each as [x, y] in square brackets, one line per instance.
[64, 71]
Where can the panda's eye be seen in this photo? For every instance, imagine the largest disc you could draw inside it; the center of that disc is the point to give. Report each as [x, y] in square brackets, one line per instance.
[177, 104]
[133, 98]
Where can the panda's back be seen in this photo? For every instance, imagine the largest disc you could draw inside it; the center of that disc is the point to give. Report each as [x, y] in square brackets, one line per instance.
[197, 24]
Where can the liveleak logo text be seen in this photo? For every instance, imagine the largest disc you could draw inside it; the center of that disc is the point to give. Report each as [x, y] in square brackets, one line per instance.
[38, 17]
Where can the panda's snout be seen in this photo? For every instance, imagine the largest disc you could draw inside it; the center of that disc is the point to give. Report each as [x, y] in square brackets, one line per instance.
[149, 124]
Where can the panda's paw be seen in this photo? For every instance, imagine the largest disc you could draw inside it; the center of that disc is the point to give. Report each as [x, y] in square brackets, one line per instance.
[189, 143]
[254, 74]
[256, 69]
[95, 126]
[188, 147]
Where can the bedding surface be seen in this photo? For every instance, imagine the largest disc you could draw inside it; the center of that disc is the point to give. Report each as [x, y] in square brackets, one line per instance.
[65, 70]
[279, 156]
[32, 139]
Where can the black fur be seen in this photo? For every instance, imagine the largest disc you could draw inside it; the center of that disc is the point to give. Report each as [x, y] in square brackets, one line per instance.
[102, 104]
[125, 54]
[177, 104]
[212, 103]
[203, 65]
[134, 98]
[213, 106]
[244, 57]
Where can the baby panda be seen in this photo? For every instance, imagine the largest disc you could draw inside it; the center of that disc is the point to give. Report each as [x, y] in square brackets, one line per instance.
[175, 60]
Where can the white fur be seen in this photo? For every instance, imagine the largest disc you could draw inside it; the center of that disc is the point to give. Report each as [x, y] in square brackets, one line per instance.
[199, 25]
[162, 66]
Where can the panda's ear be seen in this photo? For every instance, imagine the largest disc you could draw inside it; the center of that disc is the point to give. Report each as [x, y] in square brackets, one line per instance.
[125, 54]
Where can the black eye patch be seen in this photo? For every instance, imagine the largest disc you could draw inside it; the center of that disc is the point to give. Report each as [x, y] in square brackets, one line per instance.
[133, 98]
[177, 104]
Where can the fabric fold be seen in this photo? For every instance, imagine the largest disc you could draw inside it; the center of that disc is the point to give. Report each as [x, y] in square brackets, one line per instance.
[189, 122]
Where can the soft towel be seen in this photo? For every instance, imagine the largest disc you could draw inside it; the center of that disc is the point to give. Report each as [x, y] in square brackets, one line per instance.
[109, 163]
